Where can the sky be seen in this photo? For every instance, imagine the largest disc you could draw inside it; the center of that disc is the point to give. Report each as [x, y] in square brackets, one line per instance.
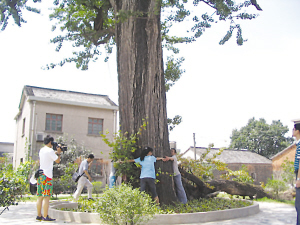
[222, 88]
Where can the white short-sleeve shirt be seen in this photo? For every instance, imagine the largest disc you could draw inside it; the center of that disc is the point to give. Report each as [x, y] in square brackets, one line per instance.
[47, 157]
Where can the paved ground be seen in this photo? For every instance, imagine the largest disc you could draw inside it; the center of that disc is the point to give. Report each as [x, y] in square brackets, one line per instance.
[270, 214]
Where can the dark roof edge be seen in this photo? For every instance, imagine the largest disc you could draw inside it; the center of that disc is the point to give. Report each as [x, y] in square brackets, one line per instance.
[77, 92]
[7, 143]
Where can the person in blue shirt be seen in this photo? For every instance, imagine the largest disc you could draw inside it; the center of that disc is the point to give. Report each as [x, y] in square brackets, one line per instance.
[296, 134]
[147, 177]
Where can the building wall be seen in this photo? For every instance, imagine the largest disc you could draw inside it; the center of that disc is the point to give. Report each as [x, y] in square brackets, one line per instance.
[289, 155]
[22, 138]
[260, 172]
[74, 124]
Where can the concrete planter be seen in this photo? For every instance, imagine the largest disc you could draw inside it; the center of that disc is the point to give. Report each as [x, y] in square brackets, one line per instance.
[185, 218]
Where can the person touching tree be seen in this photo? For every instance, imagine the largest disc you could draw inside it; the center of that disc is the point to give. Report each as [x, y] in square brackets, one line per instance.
[147, 177]
[180, 192]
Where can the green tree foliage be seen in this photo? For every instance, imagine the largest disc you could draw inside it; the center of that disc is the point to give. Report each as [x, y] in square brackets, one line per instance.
[90, 24]
[123, 149]
[260, 137]
[13, 183]
[14, 8]
[241, 175]
[205, 167]
[288, 174]
[276, 186]
[173, 122]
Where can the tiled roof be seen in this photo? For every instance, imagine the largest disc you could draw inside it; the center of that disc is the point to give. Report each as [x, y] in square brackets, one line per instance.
[232, 156]
[69, 96]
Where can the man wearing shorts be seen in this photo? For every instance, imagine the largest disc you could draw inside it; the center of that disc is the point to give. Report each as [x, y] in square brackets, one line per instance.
[44, 182]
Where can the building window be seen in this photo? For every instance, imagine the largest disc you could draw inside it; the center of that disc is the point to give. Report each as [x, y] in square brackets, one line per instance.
[95, 126]
[96, 169]
[23, 127]
[21, 160]
[54, 122]
[253, 175]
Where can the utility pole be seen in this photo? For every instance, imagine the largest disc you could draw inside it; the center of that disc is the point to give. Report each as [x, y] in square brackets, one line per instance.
[194, 145]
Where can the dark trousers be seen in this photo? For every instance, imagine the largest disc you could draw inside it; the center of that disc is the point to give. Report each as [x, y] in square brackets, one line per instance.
[297, 202]
[297, 205]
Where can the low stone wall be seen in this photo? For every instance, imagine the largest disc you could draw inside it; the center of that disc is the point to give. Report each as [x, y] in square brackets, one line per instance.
[185, 218]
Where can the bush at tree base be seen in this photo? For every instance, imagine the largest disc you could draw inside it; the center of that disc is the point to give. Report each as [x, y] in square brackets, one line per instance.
[123, 205]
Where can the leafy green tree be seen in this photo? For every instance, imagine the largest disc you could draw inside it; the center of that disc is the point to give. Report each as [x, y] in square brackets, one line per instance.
[14, 8]
[140, 30]
[260, 137]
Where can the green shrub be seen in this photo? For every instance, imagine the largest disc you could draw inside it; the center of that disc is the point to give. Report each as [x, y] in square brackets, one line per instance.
[13, 183]
[276, 186]
[123, 205]
[241, 175]
[124, 147]
[97, 187]
[288, 174]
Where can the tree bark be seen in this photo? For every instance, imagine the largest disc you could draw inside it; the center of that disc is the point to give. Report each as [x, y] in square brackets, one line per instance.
[142, 85]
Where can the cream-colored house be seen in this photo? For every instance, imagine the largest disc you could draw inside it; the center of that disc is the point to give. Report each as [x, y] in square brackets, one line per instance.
[81, 116]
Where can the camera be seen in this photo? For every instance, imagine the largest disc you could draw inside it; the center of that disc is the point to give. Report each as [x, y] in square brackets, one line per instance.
[61, 145]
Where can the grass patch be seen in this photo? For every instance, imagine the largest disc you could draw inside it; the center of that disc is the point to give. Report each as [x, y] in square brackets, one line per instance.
[265, 199]
[201, 205]
[205, 205]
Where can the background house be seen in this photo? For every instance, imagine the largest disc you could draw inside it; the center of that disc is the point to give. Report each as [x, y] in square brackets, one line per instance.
[259, 167]
[8, 149]
[81, 116]
[286, 154]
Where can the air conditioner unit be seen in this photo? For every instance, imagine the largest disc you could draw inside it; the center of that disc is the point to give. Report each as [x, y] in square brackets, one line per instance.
[39, 137]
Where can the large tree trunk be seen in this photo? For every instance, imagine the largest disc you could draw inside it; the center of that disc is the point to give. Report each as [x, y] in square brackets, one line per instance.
[142, 84]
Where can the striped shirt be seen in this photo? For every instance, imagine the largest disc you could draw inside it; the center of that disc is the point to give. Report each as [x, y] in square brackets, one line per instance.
[297, 156]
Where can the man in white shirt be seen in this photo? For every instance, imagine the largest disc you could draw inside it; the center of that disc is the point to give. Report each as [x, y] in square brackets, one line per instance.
[44, 182]
[177, 178]
[85, 179]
